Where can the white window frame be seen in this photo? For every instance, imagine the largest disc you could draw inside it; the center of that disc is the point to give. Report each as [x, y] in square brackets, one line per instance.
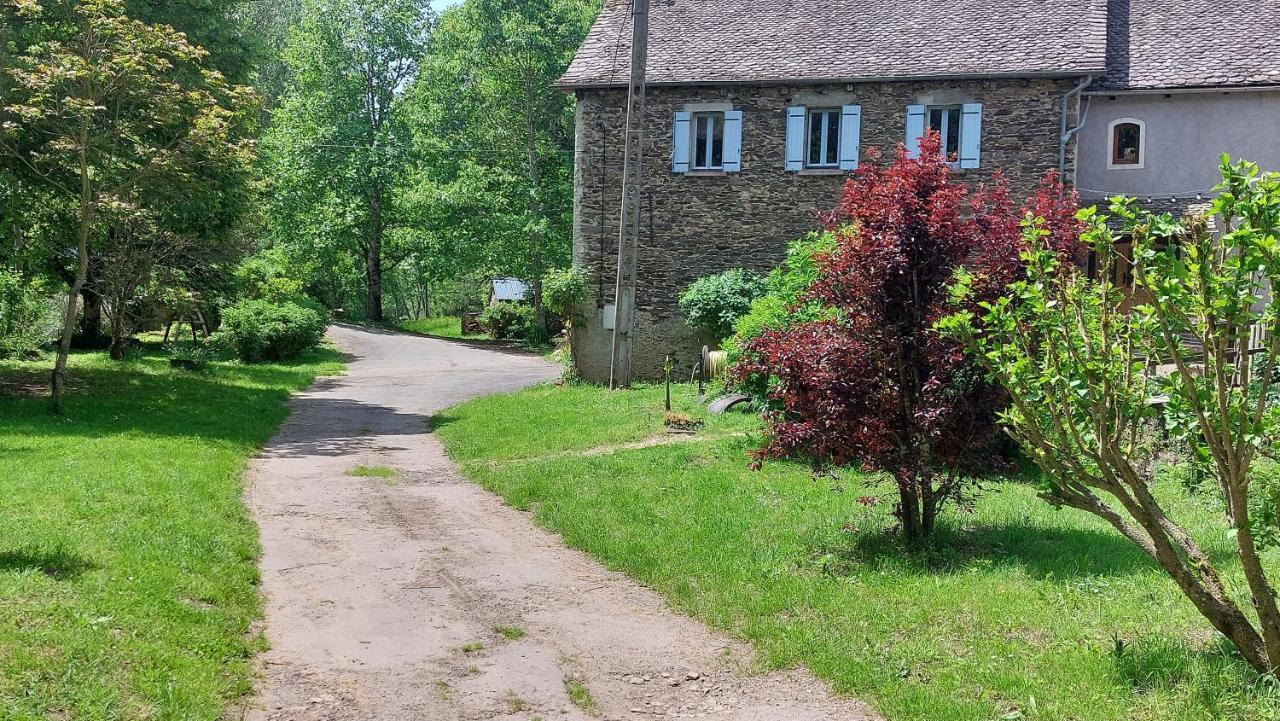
[1111, 144]
[945, 129]
[829, 134]
[703, 164]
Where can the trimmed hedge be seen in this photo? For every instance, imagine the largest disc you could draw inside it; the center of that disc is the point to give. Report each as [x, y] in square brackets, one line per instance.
[259, 330]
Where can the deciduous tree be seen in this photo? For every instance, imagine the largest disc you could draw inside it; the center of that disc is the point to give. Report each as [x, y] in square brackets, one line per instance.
[338, 144]
[870, 384]
[1091, 384]
[492, 131]
[105, 105]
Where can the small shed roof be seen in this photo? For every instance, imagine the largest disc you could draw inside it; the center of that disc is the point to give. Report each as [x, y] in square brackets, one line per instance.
[512, 289]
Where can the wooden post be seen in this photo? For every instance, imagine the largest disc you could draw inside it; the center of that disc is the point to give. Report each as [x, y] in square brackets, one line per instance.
[632, 179]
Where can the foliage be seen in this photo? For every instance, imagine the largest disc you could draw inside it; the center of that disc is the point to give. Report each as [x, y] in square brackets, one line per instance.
[28, 320]
[714, 303]
[563, 292]
[443, 326]
[338, 145]
[492, 187]
[510, 321]
[133, 592]
[1018, 610]
[104, 110]
[259, 330]
[266, 275]
[782, 306]
[870, 383]
[1081, 375]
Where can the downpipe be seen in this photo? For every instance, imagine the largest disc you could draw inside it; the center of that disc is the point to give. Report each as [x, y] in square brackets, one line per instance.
[1066, 134]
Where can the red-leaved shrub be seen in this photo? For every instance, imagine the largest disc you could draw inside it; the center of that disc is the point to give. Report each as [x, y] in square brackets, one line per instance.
[874, 386]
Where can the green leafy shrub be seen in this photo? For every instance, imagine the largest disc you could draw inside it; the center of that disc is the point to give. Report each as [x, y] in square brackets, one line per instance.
[781, 306]
[259, 330]
[28, 318]
[509, 321]
[714, 303]
[563, 290]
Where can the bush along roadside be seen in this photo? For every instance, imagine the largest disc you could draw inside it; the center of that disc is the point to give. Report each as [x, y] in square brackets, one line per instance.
[260, 330]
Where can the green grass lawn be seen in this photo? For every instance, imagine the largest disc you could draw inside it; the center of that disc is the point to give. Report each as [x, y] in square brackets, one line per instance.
[1022, 611]
[444, 327]
[127, 561]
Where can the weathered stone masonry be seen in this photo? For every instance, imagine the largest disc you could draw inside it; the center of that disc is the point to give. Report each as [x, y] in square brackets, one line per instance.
[699, 224]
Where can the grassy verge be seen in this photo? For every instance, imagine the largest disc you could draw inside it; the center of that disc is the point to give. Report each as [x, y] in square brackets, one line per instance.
[443, 327]
[1020, 612]
[127, 560]
[451, 327]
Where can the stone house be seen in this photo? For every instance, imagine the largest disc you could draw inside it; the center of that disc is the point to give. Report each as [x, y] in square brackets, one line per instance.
[756, 112]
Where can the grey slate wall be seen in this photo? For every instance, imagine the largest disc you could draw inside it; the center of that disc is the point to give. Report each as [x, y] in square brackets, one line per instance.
[696, 225]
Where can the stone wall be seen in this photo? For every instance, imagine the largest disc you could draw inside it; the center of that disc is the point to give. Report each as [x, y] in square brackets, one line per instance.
[698, 224]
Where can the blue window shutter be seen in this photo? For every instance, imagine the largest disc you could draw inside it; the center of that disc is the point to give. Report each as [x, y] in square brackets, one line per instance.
[680, 145]
[970, 135]
[795, 137]
[915, 129]
[732, 141]
[850, 136]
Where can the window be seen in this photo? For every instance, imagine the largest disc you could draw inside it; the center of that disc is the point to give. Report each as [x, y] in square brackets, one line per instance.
[823, 139]
[959, 128]
[708, 141]
[1127, 143]
[945, 119]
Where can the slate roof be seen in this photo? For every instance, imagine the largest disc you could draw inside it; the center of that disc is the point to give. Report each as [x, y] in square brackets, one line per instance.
[1154, 44]
[758, 41]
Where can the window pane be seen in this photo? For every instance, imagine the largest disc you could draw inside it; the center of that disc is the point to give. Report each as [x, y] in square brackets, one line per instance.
[717, 140]
[951, 143]
[833, 138]
[816, 122]
[700, 141]
[935, 118]
[1128, 143]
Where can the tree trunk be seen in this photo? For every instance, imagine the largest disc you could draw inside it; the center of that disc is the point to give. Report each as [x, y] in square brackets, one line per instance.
[91, 313]
[119, 338]
[929, 509]
[1261, 592]
[373, 258]
[909, 511]
[59, 378]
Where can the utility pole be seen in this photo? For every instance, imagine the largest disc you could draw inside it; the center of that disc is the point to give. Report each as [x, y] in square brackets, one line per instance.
[632, 179]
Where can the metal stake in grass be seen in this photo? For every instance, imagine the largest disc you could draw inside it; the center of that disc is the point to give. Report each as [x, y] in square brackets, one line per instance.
[666, 369]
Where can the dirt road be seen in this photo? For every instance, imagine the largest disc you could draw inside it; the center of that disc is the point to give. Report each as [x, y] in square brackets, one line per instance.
[384, 594]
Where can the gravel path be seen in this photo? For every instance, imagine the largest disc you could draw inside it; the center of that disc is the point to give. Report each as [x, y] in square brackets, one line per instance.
[376, 586]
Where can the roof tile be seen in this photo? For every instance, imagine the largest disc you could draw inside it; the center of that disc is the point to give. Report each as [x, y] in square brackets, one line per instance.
[1156, 44]
[723, 41]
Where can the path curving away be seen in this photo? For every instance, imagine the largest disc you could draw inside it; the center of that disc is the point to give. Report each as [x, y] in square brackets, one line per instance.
[375, 586]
